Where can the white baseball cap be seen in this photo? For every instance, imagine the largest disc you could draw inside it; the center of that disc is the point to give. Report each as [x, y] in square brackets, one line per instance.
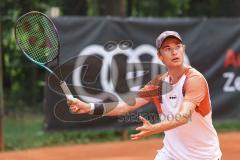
[165, 35]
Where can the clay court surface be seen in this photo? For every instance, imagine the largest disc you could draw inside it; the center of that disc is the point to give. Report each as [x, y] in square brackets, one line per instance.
[127, 150]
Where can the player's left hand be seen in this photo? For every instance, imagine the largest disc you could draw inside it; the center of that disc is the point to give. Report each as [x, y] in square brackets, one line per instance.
[146, 129]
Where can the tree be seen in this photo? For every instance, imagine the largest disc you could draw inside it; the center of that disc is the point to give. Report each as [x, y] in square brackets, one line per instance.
[1, 97]
[214, 8]
[75, 7]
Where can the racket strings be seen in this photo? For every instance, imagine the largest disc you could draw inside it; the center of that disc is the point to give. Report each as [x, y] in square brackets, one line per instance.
[37, 38]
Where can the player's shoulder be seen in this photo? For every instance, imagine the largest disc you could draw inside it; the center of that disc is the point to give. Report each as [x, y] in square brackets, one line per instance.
[193, 74]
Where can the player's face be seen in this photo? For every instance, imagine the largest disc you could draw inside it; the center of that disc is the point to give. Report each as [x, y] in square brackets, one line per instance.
[172, 52]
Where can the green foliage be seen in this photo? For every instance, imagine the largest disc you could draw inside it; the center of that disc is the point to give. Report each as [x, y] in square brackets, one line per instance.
[163, 8]
[92, 8]
[26, 131]
[214, 8]
[227, 126]
[19, 73]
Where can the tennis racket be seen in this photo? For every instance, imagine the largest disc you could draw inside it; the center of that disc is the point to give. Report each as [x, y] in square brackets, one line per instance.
[37, 37]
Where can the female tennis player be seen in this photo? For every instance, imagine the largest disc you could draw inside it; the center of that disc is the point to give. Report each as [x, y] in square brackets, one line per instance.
[189, 133]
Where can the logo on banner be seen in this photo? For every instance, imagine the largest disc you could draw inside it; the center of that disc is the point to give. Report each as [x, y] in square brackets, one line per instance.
[110, 69]
[232, 61]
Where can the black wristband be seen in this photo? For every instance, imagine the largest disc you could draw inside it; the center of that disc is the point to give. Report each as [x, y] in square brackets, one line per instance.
[99, 109]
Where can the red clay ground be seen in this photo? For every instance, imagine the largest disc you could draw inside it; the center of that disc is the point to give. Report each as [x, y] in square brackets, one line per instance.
[128, 150]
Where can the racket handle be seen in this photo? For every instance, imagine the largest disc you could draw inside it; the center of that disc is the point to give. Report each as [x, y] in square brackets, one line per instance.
[66, 90]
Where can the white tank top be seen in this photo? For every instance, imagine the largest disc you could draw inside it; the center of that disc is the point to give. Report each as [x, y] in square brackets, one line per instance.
[196, 140]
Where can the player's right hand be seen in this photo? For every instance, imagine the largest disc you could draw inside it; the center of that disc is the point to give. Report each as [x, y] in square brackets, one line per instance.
[77, 106]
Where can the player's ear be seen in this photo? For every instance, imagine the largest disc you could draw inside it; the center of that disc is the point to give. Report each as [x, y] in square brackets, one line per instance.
[160, 56]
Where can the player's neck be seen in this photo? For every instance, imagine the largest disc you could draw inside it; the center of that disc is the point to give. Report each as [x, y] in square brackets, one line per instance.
[176, 73]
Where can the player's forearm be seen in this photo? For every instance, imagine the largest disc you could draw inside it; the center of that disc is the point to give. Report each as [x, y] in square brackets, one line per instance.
[106, 109]
[120, 109]
[179, 120]
[123, 108]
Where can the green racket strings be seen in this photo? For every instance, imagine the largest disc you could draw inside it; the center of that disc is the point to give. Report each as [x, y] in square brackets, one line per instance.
[37, 37]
